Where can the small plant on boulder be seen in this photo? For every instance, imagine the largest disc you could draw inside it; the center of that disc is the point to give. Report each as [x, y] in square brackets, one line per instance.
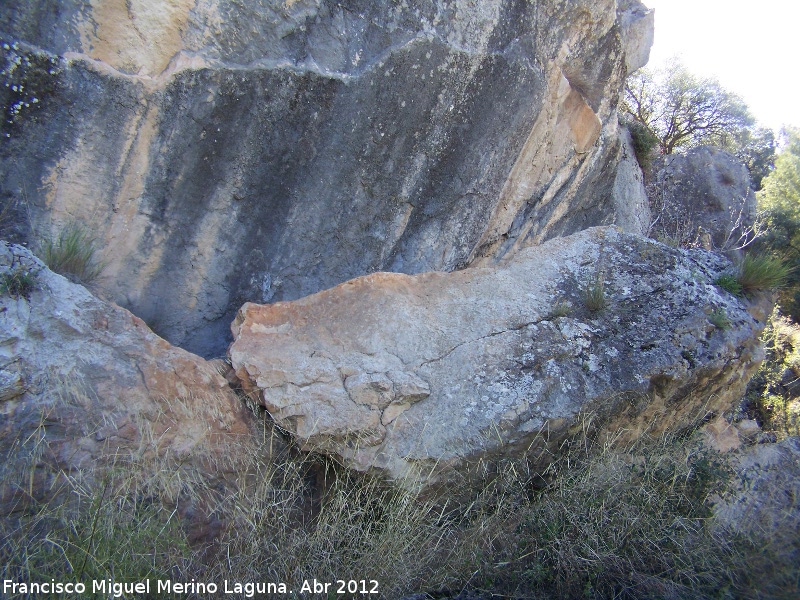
[560, 309]
[18, 283]
[72, 254]
[719, 319]
[594, 295]
[729, 283]
[762, 272]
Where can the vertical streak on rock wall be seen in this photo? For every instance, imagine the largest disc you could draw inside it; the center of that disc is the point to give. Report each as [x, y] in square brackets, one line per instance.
[261, 150]
[129, 227]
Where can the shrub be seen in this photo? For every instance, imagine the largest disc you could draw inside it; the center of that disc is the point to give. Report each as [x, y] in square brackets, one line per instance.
[729, 283]
[72, 254]
[643, 144]
[762, 272]
[773, 395]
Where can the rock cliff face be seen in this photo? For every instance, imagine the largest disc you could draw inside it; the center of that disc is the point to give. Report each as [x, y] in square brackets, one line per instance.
[435, 373]
[86, 386]
[230, 151]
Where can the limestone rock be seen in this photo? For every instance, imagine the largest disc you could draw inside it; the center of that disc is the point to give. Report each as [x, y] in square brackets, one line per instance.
[86, 386]
[725, 436]
[637, 33]
[434, 373]
[307, 141]
[765, 498]
[706, 198]
[630, 197]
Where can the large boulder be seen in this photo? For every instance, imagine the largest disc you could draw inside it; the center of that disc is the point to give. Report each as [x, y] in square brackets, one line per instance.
[86, 387]
[231, 150]
[704, 197]
[423, 377]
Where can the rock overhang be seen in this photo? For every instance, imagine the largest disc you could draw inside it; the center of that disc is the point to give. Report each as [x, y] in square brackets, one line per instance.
[231, 140]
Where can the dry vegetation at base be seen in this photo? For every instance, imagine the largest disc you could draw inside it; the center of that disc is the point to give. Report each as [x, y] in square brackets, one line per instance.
[600, 524]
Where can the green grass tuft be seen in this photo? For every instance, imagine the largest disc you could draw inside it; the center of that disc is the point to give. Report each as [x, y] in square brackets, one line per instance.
[594, 295]
[762, 272]
[72, 254]
[560, 309]
[719, 319]
[18, 283]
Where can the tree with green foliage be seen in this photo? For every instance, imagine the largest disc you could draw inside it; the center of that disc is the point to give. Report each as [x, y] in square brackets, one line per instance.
[756, 149]
[672, 109]
[779, 202]
[683, 111]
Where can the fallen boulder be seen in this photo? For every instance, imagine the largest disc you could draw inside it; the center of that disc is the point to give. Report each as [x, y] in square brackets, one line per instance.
[422, 377]
[704, 197]
[86, 387]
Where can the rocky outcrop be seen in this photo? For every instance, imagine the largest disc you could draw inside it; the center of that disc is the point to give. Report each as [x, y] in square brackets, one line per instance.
[422, 376]
[307, 142]
[704, 197]
[85, 386]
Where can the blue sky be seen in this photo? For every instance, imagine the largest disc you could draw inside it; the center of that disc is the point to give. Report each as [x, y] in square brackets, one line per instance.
[751, 47]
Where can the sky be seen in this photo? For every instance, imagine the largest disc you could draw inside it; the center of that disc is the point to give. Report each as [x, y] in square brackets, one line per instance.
[750, 47]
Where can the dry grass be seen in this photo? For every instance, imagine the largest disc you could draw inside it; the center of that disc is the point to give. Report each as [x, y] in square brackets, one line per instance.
[594, 294]
[598, 524]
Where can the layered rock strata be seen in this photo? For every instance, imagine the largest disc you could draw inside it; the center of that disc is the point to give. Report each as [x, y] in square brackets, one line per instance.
[421, 377]
[233, 151]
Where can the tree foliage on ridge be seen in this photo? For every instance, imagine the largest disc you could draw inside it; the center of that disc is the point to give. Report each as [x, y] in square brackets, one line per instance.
[679, 111]
[682, 110]
[779, 202]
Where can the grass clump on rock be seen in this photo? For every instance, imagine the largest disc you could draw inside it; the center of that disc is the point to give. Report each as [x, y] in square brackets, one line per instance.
[729, 283]
[594, 295]
[719, 319]
[18, 283]
[759, 272]
[72, 254]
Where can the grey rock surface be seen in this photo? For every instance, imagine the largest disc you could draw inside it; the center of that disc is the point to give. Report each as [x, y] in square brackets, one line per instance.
[85, 386]
[704, 188]
[424, 377]
[768, 486]
[233, 151]
[630, 197]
